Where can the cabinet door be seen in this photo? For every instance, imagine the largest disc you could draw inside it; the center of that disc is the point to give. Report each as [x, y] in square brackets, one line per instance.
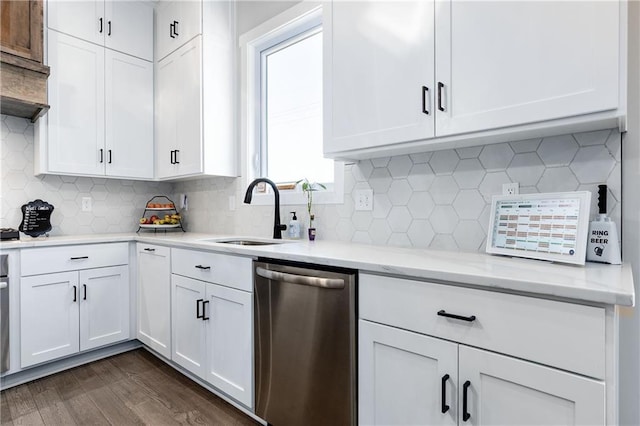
[129, 116]
[81, 19]
[129, 28]
[48, 317]
[21, 24]
[509, 391]
[104, 306]
[401, 376]
[229, 349]
[187, 324]
[179, 112]
[177, 22]
[509, 63]
[76, 95]
[379, 73]
[167, 105]
[189, 109]
[154, 298]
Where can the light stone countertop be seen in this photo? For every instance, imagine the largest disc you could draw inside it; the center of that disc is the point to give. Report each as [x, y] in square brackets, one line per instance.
[593, 283]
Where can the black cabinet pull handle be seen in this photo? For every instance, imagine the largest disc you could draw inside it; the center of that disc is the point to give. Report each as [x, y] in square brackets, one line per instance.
[425, 93]
[101, 155]
[198, 314]
[175, 28]
[79, 258]
[204, 315]
[172, 162]
[445, 407]
[100, 25]
[440, 87]
[176, 156]
[109, 152]
[84, 289]
[171, 31]
[203, 267]
[75, 293]
[149, 249]
[109, 28]
[465, 409]
[442, 313]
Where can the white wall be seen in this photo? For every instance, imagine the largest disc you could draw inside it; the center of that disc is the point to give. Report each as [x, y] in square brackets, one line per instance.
[252, 13]
[630, 319]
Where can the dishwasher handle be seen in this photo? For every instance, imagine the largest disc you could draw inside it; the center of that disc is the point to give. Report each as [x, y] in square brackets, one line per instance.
[330, 283]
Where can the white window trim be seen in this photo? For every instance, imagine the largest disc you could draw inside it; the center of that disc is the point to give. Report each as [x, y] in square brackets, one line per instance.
[306, 15]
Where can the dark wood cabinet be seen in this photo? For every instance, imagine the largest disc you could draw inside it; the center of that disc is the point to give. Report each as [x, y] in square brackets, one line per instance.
[23, 76]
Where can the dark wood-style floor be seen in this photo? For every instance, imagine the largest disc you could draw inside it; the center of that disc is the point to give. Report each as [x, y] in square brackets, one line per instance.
[131, 388]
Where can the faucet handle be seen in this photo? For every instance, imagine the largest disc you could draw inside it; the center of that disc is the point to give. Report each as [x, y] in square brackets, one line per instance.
[282, 227]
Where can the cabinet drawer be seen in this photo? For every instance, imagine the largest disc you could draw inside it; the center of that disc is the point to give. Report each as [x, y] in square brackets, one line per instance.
[69, 258]
[559, 334]
[230, 271]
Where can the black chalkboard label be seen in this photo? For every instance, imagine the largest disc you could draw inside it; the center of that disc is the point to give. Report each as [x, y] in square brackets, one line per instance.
[36, 218]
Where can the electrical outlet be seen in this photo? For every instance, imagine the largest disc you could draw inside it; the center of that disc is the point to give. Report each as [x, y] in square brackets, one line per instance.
[86, 204]
[512, 188]
[364, 199]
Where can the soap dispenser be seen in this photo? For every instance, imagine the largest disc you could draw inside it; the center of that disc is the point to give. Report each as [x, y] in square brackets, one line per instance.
[294, 227]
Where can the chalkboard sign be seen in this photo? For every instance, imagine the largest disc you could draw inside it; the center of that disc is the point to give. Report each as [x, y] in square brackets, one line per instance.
[36, 218]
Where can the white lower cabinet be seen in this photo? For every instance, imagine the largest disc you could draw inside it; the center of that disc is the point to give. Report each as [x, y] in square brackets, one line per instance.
[211, 334]
[212, 319]
[443, 354]
[154, 297]
[408, 378]
[508, 391]
[63, 313]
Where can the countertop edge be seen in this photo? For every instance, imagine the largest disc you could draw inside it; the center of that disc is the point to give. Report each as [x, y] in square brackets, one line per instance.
[479, 271]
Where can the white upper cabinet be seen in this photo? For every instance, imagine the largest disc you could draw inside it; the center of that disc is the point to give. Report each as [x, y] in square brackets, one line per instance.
[410, 76]
[128, 116]
[125, 26]
[179, 117]
[379, 73]
[76, 95]
[177, 22]
[509, 63]
[101, 120]
[196, 91]
[129, 28]
[82, 19]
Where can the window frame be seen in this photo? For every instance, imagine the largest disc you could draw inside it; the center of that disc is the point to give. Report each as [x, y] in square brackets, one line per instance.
[294, 23]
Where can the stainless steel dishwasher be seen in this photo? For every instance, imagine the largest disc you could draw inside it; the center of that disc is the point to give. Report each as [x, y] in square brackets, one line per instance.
[305, 344]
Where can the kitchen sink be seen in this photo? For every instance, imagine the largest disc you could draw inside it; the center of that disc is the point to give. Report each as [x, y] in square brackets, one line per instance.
[244, 241]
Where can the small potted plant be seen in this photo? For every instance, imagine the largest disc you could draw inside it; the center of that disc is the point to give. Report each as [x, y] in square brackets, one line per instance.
[308, 188]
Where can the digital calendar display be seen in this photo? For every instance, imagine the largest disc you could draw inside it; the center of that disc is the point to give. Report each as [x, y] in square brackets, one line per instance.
[541, 226]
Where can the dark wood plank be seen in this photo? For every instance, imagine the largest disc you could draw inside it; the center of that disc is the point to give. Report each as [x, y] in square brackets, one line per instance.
[153, 412]
[132, 393]
[87, 378]
[85, 412]
[131, 388]
[132, 363]
[20, 401]
[111, 407]
[67, 385]
[31, 419]
[5, 413]
[108, 372]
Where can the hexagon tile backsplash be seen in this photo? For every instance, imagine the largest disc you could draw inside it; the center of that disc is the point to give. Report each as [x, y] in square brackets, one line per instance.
[117, 204]
[438, 200]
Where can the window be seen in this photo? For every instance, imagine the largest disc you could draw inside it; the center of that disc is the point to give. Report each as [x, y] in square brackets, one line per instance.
[283, 105]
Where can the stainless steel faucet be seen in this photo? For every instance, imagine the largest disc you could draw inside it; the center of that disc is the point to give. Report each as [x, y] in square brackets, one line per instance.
[277, 228]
